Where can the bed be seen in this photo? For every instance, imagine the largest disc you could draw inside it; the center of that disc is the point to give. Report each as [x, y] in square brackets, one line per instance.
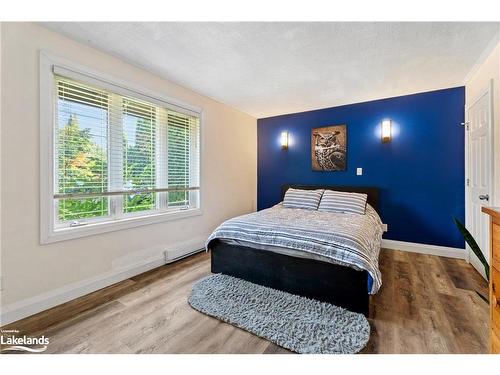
[332, 270]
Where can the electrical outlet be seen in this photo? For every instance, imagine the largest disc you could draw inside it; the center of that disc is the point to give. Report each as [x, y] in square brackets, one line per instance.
[385, 227]
[359, 171]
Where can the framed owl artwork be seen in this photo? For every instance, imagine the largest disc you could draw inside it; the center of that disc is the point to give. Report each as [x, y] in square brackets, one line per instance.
[329, 148]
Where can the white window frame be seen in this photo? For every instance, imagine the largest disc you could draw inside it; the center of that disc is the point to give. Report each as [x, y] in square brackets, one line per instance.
[49, 232]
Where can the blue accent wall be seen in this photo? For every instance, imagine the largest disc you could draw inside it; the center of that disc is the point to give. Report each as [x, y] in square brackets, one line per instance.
[420, 173]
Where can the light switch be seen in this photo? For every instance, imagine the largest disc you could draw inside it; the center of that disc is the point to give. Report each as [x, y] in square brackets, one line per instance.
[359, 171]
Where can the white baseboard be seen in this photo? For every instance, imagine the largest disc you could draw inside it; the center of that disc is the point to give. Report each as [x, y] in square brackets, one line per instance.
[30, 306]
[443, 251]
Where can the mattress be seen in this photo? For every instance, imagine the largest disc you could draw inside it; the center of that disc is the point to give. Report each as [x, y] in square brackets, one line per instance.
[351, 240]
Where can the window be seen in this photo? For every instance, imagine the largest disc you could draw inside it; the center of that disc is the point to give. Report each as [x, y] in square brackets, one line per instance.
[119, 157]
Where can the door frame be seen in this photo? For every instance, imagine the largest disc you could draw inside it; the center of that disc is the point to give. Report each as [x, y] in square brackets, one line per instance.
[468, 212]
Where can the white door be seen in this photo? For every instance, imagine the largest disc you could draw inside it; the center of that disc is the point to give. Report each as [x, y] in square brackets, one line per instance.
[479, 172]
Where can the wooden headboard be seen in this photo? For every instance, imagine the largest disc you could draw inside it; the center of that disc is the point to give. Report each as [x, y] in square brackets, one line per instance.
[372, 192]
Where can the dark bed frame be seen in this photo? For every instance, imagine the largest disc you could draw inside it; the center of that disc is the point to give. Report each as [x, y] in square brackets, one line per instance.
[340, 285]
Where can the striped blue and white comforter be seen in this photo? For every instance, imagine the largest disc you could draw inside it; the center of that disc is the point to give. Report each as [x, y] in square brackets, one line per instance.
[347, 239]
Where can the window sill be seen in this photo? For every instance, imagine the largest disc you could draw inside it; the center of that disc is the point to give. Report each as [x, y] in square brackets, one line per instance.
[90, 229]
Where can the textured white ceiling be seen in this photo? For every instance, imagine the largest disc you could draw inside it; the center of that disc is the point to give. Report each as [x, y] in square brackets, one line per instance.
[268, 69]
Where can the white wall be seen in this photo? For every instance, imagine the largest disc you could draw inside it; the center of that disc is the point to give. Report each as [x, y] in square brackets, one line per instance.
[31, 271]
[477, 82]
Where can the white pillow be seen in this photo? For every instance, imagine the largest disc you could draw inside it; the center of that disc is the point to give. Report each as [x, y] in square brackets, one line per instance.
[306, 199]
[339, 201]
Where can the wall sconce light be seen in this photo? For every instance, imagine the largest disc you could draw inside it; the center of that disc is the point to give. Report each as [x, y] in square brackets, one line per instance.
[386, 131]
[284, 140]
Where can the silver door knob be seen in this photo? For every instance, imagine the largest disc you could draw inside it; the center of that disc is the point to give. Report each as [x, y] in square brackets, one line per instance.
[484, 197]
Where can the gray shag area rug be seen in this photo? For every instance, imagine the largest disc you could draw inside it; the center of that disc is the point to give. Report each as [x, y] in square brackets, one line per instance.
[296, 323]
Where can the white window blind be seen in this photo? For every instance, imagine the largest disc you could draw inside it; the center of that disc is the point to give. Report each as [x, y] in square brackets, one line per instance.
[119, 156]
[81, 150]
[139, 154]
[182, 158]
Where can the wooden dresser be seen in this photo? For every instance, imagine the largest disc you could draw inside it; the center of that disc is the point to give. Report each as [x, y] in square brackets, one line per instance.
[494, 278]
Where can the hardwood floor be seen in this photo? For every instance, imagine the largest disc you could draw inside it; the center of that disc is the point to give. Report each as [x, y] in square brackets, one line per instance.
[427, 304]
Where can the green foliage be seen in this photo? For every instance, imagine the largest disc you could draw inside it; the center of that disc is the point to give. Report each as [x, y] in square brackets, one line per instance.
[178, 198]
[178, 161]
[74, 209]
[473, 245]
[83, 168]
[139, 167]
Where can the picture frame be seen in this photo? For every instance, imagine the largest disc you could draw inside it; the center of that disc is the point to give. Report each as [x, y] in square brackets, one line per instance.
[329, 148]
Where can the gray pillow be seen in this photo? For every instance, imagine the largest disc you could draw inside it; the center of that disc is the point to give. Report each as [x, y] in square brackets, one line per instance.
[339, 201]
[306, 199]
